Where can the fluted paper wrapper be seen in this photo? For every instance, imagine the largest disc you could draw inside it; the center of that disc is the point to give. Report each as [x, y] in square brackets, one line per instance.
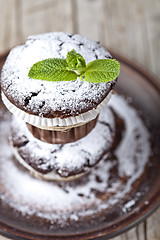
[52, 123]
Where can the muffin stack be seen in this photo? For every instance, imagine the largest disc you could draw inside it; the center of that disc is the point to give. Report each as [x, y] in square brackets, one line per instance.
[55, 131]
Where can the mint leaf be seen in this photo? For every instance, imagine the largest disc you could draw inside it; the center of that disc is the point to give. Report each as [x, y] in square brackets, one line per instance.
[56, 69]
[102, 70]
[75, 61]
[52, 69]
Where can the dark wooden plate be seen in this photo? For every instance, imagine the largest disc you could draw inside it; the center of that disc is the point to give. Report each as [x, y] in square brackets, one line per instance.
[144, 90]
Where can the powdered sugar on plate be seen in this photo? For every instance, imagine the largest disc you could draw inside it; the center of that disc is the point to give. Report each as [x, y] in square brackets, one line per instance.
[93, 193]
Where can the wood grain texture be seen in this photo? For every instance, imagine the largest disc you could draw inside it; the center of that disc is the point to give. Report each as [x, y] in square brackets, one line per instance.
[89, 18]
[134, 28]
[131, 28]
[45, 16]
[21, 18]
[7, 25]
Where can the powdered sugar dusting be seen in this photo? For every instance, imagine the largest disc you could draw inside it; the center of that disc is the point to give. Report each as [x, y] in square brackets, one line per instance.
[42, 97]
[134, 139]
[93, 193]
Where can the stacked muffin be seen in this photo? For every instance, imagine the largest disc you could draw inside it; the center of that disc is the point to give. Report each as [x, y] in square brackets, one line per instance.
[59, 116]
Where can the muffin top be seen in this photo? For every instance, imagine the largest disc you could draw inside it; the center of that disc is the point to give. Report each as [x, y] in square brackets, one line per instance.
[52, 99]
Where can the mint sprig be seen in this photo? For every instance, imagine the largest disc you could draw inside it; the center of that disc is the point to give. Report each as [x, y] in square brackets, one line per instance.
[56, 69]
[76, 62]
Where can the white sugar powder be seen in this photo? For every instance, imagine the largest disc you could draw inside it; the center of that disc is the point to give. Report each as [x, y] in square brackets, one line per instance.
[48, 200]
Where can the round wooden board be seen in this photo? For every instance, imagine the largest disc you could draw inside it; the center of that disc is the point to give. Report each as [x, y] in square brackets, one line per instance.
[136, 83]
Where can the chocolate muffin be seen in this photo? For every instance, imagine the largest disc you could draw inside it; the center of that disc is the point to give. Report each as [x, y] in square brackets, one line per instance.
[64, 161]
[55, 112]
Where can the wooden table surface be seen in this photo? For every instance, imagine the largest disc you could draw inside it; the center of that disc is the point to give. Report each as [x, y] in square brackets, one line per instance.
[131, 28]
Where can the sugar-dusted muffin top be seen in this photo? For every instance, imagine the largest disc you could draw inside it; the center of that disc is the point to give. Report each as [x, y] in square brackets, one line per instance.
[52, 99]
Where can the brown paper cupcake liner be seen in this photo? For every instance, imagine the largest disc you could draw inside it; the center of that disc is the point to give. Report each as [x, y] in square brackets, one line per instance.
[61, 137]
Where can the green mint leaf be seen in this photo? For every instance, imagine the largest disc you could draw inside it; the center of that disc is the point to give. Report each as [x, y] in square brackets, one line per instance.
[102, 70]
[76, 61]
[52, 69]
[56, 69]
